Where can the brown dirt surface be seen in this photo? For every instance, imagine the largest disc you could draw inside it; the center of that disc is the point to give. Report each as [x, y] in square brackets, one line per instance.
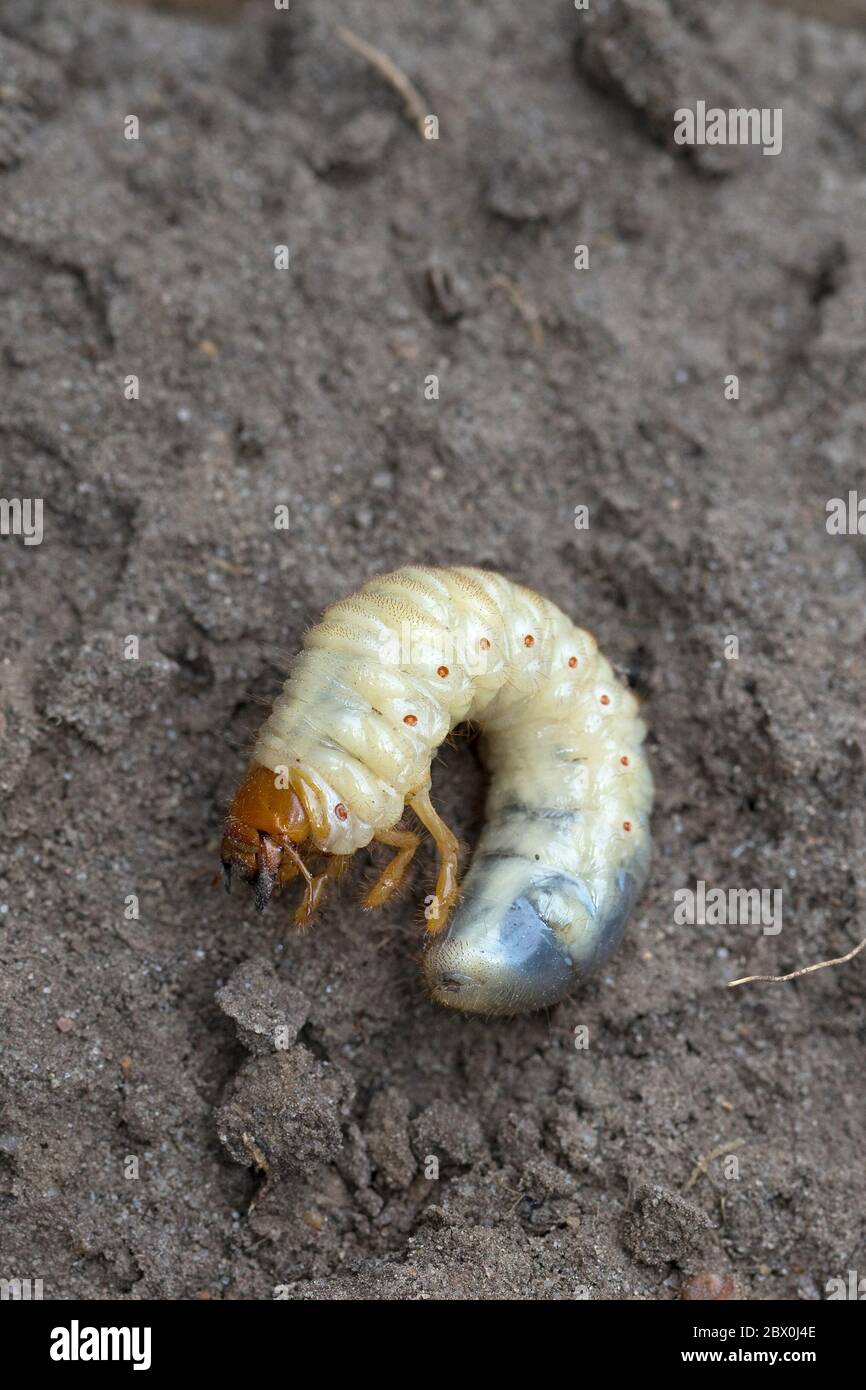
[160, 1136]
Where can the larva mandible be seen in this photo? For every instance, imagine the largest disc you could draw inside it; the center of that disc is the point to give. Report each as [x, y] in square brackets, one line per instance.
[381, 680]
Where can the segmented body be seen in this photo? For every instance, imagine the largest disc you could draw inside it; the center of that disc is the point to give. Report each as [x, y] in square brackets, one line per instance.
[378, 685]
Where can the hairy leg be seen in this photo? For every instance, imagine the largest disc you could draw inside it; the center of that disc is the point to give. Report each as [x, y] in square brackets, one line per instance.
[448, 851]
[311, 900]
[405, 842]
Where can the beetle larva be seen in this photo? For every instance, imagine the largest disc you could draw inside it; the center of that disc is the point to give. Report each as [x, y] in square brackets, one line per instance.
[380, 682]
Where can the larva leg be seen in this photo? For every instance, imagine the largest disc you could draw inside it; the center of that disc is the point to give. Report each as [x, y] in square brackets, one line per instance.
[405, 842]
[337, 865]
[448, 851]
[288, 871]
[315, 887]
[311, 900]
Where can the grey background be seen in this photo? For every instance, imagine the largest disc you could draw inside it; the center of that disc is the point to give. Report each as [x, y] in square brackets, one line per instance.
[563, 1174]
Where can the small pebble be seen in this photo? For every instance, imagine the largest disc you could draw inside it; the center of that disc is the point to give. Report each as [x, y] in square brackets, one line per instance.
[710, 1287]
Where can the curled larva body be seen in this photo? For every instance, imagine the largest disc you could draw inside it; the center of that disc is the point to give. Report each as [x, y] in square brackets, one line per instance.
[380, 682]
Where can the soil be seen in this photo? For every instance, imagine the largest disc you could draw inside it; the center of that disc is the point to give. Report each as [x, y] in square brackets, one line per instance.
[198, 1102]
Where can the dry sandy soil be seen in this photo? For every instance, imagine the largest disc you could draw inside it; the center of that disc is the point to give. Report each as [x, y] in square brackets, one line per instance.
[152, 1141]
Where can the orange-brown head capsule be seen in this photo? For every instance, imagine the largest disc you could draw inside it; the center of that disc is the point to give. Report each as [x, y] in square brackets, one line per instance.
[264, 823]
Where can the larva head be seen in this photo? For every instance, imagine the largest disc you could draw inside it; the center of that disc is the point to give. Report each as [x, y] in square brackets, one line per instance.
[522, 938]
[265, 821]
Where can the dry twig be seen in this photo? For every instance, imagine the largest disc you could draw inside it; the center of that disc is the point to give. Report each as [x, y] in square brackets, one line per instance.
[523, 306]
[795, 974]
[413, 101]
[700, 1168]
